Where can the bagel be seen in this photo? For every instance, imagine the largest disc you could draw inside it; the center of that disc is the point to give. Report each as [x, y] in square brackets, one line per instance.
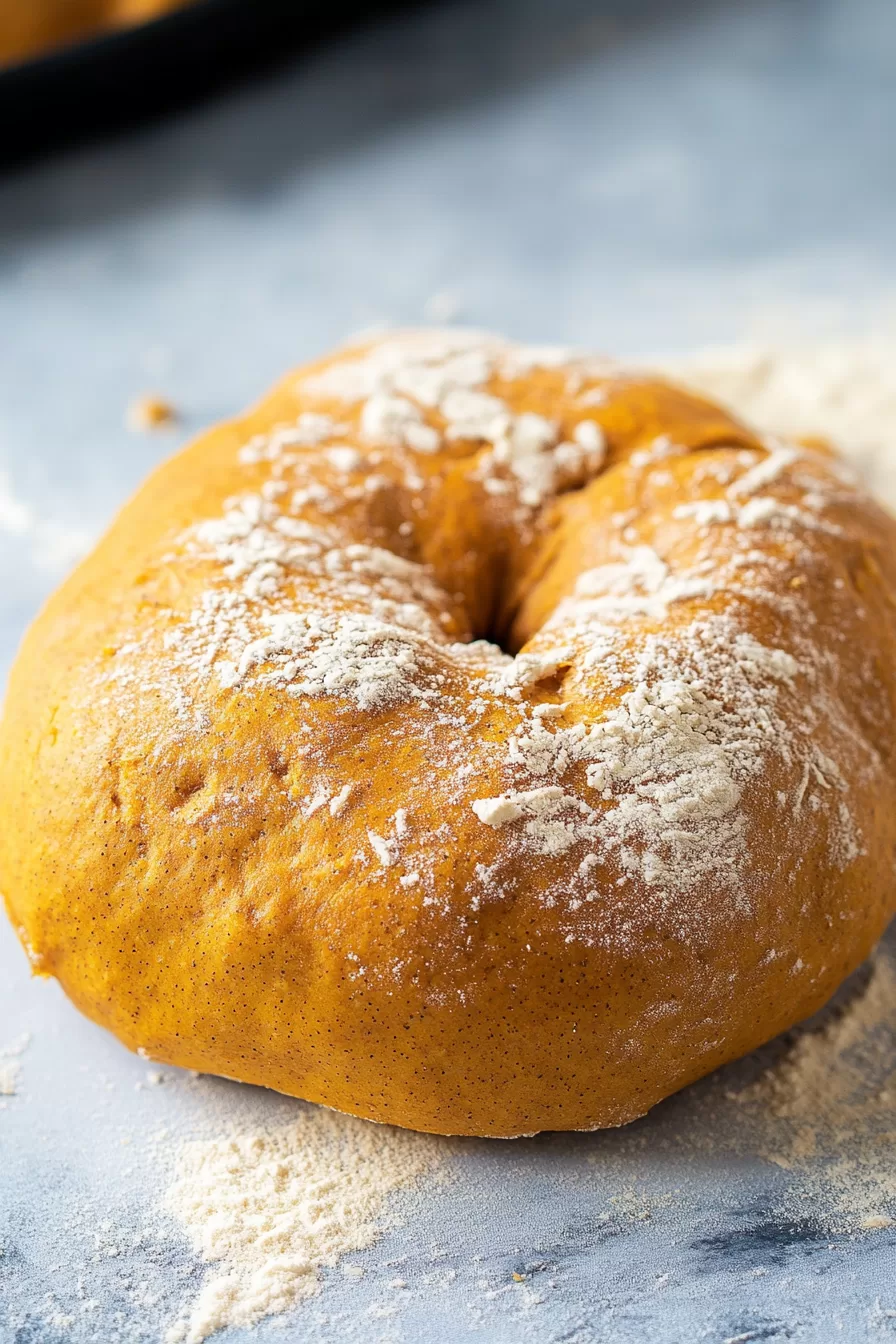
[476, 738]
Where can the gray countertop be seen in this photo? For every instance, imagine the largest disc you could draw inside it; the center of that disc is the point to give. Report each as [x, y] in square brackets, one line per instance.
[631, 177]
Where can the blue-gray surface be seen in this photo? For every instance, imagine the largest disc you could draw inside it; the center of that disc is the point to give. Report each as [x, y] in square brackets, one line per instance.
[630, 176]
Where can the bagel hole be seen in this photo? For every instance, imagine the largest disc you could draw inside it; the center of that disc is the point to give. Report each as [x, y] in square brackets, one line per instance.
[497, 627]
[500, 636]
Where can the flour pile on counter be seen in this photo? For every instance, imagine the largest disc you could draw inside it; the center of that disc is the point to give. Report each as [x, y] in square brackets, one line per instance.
[273, 1208]
[11, 1066]
[826, 1111]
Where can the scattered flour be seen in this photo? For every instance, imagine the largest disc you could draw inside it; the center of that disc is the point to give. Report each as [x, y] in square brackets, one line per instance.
[16, 518]
[11, 1066]
[443, 306]
[52, 546]
[270, 1210]
[827, 1110]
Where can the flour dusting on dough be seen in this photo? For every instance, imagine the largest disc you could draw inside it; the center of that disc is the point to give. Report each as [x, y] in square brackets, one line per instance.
[297, 600]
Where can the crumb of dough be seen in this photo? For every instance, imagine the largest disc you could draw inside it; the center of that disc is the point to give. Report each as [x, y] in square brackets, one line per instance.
[149, 412]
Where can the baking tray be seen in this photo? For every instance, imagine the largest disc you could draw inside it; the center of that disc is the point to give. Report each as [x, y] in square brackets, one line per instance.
[110, 82]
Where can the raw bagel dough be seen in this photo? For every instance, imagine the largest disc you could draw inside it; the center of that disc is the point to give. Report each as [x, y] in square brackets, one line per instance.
[30, 28]
[276, 805]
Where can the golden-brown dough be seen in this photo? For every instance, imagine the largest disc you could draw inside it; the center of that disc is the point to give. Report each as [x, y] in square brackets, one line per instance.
[277, 806]
[29, 28]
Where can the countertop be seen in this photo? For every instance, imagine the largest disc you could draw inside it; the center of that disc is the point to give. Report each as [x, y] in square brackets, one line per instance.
[631, 177]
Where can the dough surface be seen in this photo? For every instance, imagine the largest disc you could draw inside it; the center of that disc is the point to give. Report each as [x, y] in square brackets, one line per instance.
[471, 737]
[30, 28]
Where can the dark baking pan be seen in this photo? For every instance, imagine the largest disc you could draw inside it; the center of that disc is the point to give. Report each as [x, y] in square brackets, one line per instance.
[117, 79]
